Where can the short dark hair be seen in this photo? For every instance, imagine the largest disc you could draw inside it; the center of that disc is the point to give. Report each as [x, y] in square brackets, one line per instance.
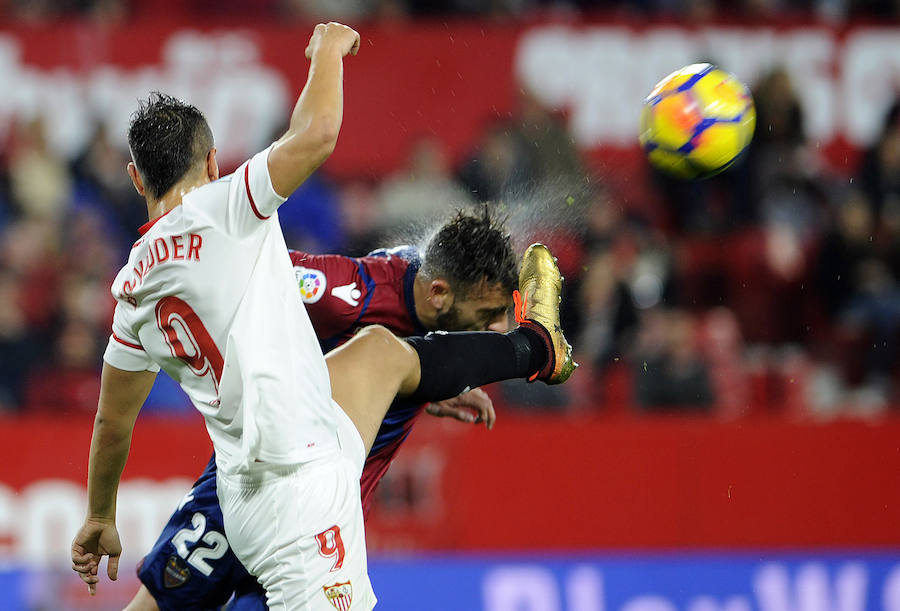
[471, 248]
[167, 137]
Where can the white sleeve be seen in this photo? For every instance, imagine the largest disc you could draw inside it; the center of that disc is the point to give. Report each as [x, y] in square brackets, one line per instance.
[124, 351]
[252, 197]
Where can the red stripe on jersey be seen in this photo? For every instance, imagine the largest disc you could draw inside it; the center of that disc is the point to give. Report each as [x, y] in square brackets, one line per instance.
[146, 226]
[124, 343]
[250, 195]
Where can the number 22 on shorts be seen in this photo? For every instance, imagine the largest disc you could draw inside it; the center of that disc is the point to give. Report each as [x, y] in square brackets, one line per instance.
[332, 546]
[200, 554]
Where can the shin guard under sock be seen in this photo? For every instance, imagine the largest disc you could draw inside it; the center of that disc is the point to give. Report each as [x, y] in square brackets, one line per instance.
[454, 362]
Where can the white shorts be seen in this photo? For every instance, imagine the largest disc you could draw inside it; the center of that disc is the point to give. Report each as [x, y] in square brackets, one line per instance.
[299, 528]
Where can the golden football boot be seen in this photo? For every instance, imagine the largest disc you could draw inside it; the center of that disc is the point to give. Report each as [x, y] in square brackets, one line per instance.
[537, 307]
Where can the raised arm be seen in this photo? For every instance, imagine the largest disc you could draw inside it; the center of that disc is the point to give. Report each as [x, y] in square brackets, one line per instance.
[319, 110]
[122, 393]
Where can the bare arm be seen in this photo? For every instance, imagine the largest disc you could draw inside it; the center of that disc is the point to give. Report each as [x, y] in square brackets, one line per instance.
[122, 393]
[319, 111]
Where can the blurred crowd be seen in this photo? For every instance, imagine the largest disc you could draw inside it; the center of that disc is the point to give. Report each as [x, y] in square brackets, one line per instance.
[692, 10]
[773, 288]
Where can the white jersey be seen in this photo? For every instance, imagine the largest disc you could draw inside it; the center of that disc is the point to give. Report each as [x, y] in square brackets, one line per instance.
[209, 295]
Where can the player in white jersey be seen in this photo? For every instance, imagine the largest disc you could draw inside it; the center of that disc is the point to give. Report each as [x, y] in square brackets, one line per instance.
[209, 295]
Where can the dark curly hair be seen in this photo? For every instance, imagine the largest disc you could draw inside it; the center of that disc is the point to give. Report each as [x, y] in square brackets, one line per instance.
[167, 137]
[473, 247]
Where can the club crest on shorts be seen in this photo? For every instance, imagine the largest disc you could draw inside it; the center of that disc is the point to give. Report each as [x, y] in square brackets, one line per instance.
[340, 595]
[312, 283]
[176, 572]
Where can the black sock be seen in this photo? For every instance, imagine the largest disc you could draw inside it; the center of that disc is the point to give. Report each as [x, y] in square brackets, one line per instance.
[453, 362]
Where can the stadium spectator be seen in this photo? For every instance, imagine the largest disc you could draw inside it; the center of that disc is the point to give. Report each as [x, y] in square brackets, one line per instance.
[30, 248]
[887, 236]
[102, 187]
[358, 214]
[874, 312]
[546, 148]
[311, 220]
[68, 384]
[879, 175]
[39, 178]
[769, 267]
[723, 348]
[90, 246]
[530, 161]
[18, 350]
[421, 191]
[497, 170]
[784, 175]
[844, 247]
[859, 289]
[670, 372]
[607, 305]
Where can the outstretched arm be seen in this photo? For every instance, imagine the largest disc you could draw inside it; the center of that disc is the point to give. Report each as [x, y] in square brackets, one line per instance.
[317, 116]
[122, 393]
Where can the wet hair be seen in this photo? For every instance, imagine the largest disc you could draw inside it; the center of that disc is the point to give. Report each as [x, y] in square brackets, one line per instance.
[167, 138]
[471, 248]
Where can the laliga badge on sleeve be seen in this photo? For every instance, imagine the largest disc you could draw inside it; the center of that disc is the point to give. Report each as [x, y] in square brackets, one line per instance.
[340, 595]
[312, 283]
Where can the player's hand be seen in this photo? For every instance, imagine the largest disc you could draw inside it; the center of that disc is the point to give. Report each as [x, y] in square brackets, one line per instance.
[344, 38]
[474, 406]
[97, 538]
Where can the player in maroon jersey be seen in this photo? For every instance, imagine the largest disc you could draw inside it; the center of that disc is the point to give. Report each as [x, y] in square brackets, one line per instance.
[464, 282]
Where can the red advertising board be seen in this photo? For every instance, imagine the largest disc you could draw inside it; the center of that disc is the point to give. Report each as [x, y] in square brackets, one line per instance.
[437, 79]
[542, 482]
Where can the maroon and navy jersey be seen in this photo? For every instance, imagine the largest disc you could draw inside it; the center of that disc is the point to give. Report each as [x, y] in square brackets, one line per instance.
[343, 294]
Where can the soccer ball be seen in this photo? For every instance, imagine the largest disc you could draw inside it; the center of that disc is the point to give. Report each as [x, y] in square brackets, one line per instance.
[696, 121]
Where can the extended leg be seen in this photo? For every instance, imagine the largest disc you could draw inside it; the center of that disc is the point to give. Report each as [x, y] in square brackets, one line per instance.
[367, 373]
[370, 370]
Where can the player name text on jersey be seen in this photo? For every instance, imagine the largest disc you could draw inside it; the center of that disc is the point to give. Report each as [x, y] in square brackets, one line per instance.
[160, 251]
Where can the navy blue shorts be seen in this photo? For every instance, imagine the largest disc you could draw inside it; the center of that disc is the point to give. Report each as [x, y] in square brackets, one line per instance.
[191, 567]
[248, 597]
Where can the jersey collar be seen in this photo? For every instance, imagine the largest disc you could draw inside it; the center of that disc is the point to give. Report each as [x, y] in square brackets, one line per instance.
[409, 279]
[146, 226]
[413, 257]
